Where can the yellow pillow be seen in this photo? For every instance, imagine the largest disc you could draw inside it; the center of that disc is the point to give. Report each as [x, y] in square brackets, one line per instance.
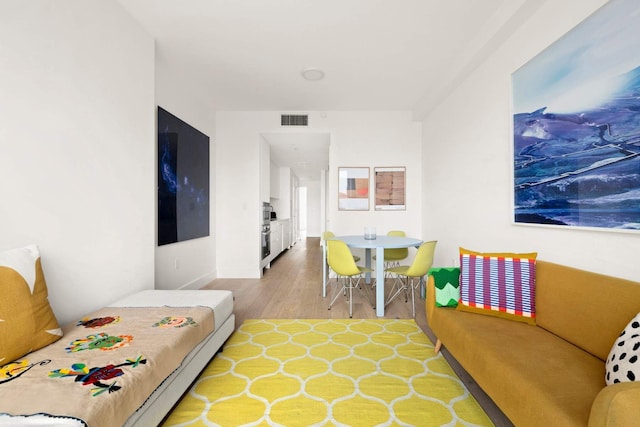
[27, 322]
[501, 284]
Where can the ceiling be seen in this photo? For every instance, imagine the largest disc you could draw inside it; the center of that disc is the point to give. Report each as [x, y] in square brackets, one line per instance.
[376, 54]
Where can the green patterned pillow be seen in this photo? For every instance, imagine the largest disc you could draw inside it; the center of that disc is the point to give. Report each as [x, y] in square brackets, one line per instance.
[447, 283]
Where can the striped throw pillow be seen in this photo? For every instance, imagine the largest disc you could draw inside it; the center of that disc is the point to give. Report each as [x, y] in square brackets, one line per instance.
[498, 284]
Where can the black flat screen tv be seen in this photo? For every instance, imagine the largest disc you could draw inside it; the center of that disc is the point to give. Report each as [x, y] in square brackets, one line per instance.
[183, 180]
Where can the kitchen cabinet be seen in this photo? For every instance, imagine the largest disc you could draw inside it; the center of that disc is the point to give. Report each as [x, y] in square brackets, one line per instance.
[274, 181]
[284, 198]
[285, 225]
[276, 239]
[280, 237]
[284, 182]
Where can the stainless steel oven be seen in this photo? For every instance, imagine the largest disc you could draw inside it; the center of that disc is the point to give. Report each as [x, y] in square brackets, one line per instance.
[266, 213]
[265, 232]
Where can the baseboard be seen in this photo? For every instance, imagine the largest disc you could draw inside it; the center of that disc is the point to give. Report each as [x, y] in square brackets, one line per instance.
[239, 273]
[199, 282]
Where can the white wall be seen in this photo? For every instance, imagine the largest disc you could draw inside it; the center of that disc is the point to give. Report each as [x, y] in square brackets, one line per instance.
[191, 263]
[357, 139]
[314, 228]
[76, 144]
[238, 201]
[375, 139]
[467, 164]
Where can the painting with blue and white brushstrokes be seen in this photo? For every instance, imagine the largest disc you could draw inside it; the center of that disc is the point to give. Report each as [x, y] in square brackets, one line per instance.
[576, 125]
[183, 180]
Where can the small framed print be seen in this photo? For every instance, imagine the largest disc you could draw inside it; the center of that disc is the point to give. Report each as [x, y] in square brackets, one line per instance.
[353, 188]
[390, 191]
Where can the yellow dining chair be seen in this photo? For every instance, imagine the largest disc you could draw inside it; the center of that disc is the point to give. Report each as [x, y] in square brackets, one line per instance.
[349, 274]
[393, 256]
[406, 275]
[329, 235]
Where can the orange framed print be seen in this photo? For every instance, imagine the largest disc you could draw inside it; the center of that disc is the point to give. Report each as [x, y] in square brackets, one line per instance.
[390, 191]
[353, 188]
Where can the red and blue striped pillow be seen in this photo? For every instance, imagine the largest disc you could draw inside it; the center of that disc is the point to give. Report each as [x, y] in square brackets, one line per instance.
[498, 284]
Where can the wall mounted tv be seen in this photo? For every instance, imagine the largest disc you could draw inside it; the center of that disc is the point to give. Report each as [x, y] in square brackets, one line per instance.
[183, 180]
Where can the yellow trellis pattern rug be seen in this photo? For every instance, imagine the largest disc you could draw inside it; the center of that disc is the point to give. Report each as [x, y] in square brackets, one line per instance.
[328, 372]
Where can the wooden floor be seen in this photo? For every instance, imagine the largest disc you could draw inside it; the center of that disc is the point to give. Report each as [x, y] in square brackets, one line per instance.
[292, 289]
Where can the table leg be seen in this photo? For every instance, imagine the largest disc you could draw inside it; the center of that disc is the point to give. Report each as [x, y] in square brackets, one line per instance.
[324, 269]
[380, 282]
[367, 263]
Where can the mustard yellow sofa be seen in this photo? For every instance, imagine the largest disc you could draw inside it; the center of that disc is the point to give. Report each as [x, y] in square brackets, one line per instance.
[553, 373]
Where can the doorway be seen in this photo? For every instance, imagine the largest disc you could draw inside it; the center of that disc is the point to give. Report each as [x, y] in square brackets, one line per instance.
[306, 154]
[302, 198]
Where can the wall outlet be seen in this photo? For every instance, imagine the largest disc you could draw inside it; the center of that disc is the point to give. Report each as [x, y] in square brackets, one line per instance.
[176, 264]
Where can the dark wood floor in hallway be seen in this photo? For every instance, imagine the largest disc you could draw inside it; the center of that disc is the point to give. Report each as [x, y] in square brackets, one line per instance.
[292, 289]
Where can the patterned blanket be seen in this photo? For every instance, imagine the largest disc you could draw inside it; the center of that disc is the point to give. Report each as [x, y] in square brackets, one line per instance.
[105, 366]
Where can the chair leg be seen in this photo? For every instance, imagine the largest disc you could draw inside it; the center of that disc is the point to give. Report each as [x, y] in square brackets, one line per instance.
[347, 291]
[415, 286]
[413, 300]
[365, 291]
[408, 282]
[396, 289]
[350, 297]
[337, 291]
[403, 284]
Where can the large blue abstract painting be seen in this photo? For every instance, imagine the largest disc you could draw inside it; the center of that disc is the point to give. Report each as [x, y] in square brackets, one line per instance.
[576, 125]
[183, 180]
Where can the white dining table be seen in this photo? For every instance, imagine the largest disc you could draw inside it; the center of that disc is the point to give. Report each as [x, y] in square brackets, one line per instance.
[380, 243]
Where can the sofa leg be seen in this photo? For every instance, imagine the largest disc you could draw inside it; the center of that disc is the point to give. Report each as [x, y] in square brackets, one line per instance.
[438, 346]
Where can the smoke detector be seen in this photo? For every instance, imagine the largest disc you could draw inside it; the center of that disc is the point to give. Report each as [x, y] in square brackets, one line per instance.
[312, 74]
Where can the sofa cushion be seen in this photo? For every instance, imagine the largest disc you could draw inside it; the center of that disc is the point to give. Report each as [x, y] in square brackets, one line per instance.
[498, 284]
[535, 377]
[27, 321]
[622, 364]
[571, 303]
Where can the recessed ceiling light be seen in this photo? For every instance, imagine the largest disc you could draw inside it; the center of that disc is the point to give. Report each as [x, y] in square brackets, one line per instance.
[312, 74]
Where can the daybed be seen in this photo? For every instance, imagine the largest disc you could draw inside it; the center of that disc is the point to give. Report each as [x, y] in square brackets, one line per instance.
[126, 364]
[551, 373]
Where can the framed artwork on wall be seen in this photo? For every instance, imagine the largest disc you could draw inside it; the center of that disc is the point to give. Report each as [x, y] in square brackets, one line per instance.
[353, 188]
[576, 126]
[390, 192]
[183, 180]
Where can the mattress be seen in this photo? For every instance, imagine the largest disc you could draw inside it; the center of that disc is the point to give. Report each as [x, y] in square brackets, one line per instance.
[221, 302]
[64, 392]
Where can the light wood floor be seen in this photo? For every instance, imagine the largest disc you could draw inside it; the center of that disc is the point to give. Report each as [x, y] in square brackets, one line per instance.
[292, 289]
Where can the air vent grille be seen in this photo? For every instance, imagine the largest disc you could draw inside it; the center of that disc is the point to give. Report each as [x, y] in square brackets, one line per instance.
[294, 120]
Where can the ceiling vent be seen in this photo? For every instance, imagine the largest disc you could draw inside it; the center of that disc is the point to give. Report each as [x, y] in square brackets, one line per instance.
[294, 120]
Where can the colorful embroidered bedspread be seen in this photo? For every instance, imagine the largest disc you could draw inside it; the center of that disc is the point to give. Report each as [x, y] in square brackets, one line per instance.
[105, 366]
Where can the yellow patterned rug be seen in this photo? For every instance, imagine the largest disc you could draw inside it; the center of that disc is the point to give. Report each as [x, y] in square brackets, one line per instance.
[328, 372]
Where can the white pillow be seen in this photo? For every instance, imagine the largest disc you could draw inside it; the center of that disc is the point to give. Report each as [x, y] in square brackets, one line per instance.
[623, 364]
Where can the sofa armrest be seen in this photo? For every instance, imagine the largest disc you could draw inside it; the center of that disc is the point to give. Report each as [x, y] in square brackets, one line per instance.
[430, 300]
[616, 405]
[430, 306]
